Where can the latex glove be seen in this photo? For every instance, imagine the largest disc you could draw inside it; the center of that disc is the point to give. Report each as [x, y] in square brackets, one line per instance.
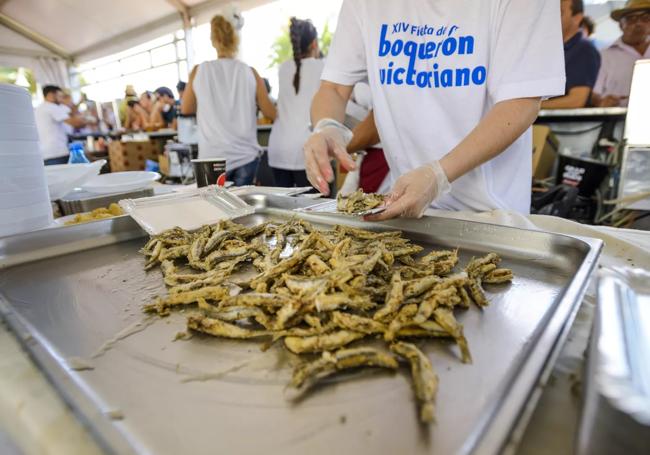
[329, 140]
[414, 192]
[351, 182]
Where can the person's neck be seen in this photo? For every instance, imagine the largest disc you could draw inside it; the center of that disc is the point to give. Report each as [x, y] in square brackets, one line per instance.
[640, 47]
[570, 35]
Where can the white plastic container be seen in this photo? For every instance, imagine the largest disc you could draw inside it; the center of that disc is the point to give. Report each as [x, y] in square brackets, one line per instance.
[189, 210]
[24, 198]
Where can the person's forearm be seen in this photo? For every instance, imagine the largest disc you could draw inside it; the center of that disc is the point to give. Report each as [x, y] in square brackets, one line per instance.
[365, 134]
[596, 99]
[561, 102]
[156, 120]
[502, 125]
[329, 102]
[76, 121]
[267, 107]
[188, 101]
[577, 97]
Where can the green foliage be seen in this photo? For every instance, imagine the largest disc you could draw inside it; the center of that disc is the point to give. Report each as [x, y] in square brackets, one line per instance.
[10, 75]
[281, 49]
[325, 39]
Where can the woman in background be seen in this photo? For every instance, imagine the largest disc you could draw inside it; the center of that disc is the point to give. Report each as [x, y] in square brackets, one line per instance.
[299, 80]
[146, 102]
[224, 94]
[137, 118]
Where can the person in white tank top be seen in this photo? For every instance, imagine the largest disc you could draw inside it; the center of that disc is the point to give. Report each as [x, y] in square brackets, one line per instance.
[225, 94]
[299, 80]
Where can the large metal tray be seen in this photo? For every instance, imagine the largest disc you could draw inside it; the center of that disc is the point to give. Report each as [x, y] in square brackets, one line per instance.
[67, 291]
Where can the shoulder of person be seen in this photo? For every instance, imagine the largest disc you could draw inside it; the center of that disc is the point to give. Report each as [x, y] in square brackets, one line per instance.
[255, 73]
[287, 64]
[589, 51]
[590, 45]
[315, 62]
[613, 48]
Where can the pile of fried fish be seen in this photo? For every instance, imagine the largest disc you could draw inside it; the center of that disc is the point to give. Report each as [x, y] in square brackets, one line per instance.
[359, 202]
[318, 291]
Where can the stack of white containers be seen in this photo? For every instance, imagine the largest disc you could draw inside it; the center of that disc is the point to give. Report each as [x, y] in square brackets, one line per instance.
[24, 199]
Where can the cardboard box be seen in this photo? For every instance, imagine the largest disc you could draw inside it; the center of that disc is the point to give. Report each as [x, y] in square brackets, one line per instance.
[545, 148]
[131, 156]
[163, 161]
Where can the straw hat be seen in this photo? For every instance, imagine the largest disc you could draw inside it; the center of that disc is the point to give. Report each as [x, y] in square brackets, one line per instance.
[130, 91]
[630, 7]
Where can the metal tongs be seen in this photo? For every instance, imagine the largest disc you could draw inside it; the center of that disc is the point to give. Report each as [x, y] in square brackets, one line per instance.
[330, 207]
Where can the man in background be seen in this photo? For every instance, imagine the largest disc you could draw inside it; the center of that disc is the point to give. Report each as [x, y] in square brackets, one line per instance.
[615, 77]
[51, 118]
[581, 60]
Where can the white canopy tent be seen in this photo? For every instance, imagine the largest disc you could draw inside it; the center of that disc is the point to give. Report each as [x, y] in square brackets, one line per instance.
[48, 36]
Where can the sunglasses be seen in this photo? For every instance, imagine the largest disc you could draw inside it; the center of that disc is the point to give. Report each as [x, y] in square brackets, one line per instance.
[636, 17]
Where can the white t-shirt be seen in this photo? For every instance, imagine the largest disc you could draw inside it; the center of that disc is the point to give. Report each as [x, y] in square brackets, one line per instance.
[51, 129]
[360, 104]
[435, 68]
[226, 113]
[291, 127]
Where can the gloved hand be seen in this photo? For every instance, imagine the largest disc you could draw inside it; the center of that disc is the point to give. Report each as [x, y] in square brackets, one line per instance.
[414, 192]
[329, 140]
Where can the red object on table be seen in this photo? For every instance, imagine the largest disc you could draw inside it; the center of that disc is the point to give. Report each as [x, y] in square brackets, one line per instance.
[221, 180]
[374, 169]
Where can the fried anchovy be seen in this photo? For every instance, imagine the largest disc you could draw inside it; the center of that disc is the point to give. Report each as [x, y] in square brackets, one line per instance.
[425, 380]
[445, 317]
[218, 328]
[307, 374]
[394, 298]
[319, 343]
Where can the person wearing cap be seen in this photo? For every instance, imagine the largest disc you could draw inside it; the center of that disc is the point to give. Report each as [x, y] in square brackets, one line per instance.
[456, 86]
[163, 113]
[581, 60]
[615, 77]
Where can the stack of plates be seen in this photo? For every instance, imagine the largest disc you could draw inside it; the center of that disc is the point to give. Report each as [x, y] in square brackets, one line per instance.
[24, 199]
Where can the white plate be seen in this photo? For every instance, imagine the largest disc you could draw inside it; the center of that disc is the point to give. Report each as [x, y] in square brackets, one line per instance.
[120, 182]
[63, 178]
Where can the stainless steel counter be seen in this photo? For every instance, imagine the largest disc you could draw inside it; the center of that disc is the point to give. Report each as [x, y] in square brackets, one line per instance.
[70, 306]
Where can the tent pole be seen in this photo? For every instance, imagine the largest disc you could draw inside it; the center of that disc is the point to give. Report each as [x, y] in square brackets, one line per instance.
[33, 36]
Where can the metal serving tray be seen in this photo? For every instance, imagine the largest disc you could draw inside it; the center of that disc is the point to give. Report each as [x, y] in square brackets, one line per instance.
[82, 201]
[76, 292]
